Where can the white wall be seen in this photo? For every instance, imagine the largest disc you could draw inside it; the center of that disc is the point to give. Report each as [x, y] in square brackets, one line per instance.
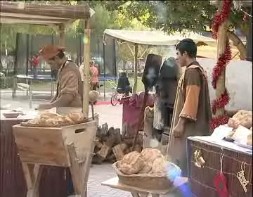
[238, 82]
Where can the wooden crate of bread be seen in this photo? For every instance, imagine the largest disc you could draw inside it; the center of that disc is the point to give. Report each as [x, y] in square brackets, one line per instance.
[67, 146]
[48, 145]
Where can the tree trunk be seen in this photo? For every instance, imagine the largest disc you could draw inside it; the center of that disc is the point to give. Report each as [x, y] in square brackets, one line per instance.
[238, 44]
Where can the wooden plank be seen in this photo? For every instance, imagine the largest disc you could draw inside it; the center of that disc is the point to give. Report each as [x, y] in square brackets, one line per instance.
[33, 22]
[25, 16]
[35, 145]
[75, 170]
[68, 11]
[104, 151]
[31, 19]
[32, 174]
[83, 137]
[86, 71]
[37, 177]
[118, 152]
[115, 183]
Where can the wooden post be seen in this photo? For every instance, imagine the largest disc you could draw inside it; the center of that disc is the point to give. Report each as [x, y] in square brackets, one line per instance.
[221, 46]
[135, 67]
[86, 56]
[62, 35]
[249, 38]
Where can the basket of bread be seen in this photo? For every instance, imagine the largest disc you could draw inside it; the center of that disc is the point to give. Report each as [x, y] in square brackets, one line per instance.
[145, 170]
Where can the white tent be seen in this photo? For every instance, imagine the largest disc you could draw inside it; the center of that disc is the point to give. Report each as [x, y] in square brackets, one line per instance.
[152, 38]
[155, 38]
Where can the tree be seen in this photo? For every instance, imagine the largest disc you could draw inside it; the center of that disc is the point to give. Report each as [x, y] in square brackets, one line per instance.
[171, 16]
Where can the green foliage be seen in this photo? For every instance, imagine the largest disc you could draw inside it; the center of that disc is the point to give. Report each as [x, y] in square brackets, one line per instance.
[179, 15]
[169, 16]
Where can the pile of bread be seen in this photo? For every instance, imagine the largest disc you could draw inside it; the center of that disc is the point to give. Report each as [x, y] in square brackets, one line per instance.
[241, 119]
[49, 119]
[149, 161]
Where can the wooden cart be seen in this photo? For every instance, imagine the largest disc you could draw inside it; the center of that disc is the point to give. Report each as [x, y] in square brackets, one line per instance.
[68, 146]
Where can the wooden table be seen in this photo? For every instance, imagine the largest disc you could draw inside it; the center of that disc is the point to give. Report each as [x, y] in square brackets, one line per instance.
[139, 192]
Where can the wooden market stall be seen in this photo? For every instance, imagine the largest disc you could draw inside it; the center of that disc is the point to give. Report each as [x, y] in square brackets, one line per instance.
[54, 180]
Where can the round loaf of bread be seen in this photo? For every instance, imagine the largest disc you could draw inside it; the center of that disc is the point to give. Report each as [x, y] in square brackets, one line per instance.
[77, 117]
[146, 169]
[150, 154]
[131, 163]
[159, 166]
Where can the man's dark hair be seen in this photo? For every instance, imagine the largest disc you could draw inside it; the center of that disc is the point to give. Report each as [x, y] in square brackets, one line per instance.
[189, 46]
[123, 74]
[61, 54]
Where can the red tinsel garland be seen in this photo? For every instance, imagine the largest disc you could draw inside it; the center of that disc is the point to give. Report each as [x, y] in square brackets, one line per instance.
[220, 17]
[220, 66]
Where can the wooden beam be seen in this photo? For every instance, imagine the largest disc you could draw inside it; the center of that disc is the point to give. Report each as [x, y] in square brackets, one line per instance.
[220, 86]
[25, 16]
[68, 11]
[21, 21]
[33, 19]
[62, 35]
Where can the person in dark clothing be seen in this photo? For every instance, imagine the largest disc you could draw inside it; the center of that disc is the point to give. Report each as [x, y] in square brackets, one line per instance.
[123, 86]
[166, 88]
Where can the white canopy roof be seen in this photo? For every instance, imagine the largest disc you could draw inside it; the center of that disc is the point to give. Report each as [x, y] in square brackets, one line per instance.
[157, 38]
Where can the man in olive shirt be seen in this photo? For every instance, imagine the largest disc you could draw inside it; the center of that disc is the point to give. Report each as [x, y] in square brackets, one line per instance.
[69, 84]
[192, 109]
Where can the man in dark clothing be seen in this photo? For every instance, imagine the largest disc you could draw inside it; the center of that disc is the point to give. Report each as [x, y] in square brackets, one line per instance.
[123, 86]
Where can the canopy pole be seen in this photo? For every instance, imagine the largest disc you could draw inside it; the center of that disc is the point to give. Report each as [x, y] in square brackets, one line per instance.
[62, 35]
[104, 66]
[27, 52]
[135, 67]
[86, 71]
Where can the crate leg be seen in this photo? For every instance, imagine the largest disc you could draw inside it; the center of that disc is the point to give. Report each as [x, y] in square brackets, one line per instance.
[135, 194]
[75, 170]
[32, 174]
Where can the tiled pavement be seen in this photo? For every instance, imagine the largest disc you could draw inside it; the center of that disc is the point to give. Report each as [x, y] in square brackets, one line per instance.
[98, 174]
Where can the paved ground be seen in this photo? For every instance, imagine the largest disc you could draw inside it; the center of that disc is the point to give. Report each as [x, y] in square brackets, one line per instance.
[98, 174]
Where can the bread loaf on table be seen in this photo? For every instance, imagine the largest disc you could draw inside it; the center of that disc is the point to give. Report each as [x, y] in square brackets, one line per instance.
[131, 163]
[149, 161]
[243, 118]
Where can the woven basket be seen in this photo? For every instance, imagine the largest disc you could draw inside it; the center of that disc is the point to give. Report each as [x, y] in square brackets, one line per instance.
[144, 181]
